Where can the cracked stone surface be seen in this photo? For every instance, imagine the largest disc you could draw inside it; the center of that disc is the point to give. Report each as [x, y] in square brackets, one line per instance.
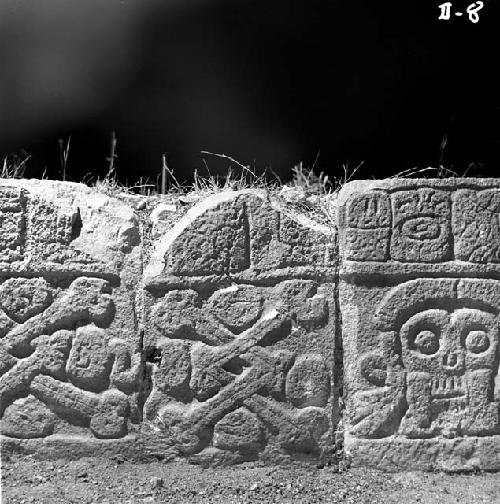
[247, 326]
[240, 325]
[419, 295]
[70, 359]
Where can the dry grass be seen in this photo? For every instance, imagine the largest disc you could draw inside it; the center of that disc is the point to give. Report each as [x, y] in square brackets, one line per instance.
[63, 156]
[239, 176]
[14, 166]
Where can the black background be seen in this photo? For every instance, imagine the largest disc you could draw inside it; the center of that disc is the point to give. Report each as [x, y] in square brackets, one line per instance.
[270, 83]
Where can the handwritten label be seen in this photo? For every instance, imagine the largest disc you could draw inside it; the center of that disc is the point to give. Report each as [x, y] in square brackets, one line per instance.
[472, 11]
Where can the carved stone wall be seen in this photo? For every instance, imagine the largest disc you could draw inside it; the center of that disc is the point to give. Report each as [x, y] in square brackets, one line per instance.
[420, 303]
[240, 329]
[263, 327]
[70, 353]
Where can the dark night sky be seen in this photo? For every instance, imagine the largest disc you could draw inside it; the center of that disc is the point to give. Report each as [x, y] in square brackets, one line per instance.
[270, 83]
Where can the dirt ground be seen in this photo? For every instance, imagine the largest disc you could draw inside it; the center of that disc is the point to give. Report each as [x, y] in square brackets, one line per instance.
[92, 480]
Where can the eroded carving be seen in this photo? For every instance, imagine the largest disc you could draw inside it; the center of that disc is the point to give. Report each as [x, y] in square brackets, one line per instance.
[27, 418]
[422, 226]
[22, 298]
[451, 362]
[226, 252]
[476, 225]
[243, 388]
[12, 224]
[239, 430]
[307, 383]
[80, 375]
[89, 362]
[438, 377]
[367, 228]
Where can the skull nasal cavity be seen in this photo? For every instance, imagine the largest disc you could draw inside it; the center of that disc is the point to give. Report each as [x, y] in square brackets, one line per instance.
[450, 360]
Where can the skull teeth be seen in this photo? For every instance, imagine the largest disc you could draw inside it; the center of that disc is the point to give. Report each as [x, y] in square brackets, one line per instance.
[450, 386]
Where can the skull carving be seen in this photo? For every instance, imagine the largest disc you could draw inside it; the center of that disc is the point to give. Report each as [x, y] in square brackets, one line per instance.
[450, 357]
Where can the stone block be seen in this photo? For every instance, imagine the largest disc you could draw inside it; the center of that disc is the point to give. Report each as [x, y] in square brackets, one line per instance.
[240, 325]
[70, 355]
[420, 323]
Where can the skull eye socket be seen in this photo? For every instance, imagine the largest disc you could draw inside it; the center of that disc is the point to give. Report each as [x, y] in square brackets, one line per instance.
[477, 341]
[427, 342]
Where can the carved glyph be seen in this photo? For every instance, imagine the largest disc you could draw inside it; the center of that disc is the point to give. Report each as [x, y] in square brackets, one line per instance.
[240, 345]
[70, 362]
[421, 352]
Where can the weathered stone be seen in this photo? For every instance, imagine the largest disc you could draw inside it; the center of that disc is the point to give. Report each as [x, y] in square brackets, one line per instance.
[22, 298]
[174, 372]
[366, 223]
[236, 292]
[239, 430]
[6, 324]
[179, 314]
[89, 361]
[475, 225]
[420, 324]
[249, 234]
[421, 226]
[28, 418]
[237, 308]
[225, 352]
[226, 252]
[105, 413]
[308, 381]
[70, 261]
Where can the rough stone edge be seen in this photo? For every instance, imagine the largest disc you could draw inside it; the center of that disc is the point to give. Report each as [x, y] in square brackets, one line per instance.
[75, 447]
[467, 454]
[394, 184]
[156, 263]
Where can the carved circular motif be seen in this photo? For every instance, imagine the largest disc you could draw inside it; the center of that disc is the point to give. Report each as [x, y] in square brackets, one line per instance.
[23, 298]
[427, 342]
[477, 342]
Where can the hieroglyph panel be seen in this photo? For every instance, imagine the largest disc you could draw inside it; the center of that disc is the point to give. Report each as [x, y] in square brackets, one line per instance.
[70, 359]
[239, 335]
[420, 301]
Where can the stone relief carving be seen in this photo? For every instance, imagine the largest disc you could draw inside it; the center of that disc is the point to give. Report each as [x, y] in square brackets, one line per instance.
[227, 370]
[240, 319]
[421, 351]
[65, 368]
[69, 370]
[241, 368]
[442, 379]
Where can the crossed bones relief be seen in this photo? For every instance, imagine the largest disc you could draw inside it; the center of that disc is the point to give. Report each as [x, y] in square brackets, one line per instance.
[218, 391]
[34, 354]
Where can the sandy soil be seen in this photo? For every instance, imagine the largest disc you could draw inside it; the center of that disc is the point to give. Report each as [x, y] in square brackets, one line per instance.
[91, 480]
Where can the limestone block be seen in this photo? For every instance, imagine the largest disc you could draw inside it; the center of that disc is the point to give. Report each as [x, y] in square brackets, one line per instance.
[22, 298]
[240, 328]
[420, 303]
[89, 362]
[239, 430]
[28, 418]
[70, 356]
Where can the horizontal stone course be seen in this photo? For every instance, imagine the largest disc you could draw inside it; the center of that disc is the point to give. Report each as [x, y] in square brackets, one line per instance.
[254, 326]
